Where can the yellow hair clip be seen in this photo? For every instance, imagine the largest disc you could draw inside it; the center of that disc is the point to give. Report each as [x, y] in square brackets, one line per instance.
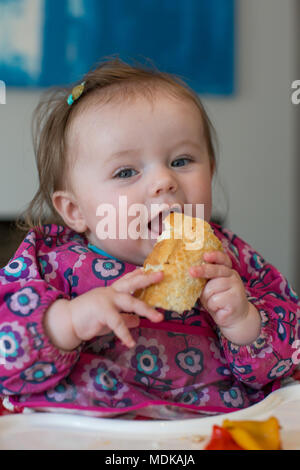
[76, 93]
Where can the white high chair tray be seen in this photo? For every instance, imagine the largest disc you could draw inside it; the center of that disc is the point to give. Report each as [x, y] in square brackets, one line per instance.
[68, 431]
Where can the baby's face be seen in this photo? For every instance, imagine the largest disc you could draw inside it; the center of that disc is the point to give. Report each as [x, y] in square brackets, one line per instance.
[137, 153]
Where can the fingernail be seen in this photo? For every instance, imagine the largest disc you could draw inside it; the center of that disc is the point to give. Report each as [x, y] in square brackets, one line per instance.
[195, 270]
[157, 275]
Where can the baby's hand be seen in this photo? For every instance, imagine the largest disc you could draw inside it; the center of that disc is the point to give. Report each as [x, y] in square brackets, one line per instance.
[224, 297]
[98, 311]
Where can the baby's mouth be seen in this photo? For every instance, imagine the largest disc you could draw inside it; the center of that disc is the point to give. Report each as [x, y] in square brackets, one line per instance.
[155, 226]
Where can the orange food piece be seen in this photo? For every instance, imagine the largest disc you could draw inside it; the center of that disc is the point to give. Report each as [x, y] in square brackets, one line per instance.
[246, 435]
[255, 435]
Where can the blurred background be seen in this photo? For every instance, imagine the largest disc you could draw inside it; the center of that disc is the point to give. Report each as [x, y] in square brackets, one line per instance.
[241, 57]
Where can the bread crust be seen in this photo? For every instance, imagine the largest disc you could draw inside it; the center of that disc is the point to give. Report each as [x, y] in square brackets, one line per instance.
[178, 291]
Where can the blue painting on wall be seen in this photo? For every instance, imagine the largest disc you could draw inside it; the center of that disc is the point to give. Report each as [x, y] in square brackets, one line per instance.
[54, 42]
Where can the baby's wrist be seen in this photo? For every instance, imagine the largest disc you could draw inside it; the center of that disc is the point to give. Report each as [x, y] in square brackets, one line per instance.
[58, 325]
[247, 330]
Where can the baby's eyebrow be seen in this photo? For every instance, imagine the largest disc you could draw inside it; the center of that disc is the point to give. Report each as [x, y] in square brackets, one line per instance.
[188, 142]
[123, 153]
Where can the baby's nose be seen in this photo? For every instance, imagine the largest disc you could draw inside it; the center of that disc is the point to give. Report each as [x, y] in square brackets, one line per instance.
[163, 182]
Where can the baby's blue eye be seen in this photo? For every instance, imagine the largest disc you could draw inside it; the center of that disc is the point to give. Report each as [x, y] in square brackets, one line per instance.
[123, 172]
[180, 160]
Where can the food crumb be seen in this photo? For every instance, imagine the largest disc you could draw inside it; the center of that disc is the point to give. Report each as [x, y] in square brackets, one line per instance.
[197, 439]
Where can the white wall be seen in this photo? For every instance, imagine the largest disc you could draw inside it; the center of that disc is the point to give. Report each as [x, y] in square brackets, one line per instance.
[18, 175]
[257, 133]
[256, 130]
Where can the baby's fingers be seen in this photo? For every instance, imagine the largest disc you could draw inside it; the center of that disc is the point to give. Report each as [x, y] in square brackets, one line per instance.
[131, 321]
[131, 304]
[210, 271]
[218, 257]
[116, 323]
[139, 281]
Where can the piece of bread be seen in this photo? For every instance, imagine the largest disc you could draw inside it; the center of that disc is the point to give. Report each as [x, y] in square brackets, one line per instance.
[181, 245]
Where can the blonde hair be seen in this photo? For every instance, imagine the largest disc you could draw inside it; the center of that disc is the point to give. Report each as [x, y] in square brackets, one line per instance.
[112, 79]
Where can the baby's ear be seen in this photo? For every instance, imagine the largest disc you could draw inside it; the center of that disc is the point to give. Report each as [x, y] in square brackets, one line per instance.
[66, 205]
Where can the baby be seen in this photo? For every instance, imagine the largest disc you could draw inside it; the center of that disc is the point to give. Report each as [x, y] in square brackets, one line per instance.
[73, 336]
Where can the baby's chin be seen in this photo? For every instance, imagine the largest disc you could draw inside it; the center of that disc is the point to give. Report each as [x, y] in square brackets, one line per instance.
[138, 256]
[135, 251]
